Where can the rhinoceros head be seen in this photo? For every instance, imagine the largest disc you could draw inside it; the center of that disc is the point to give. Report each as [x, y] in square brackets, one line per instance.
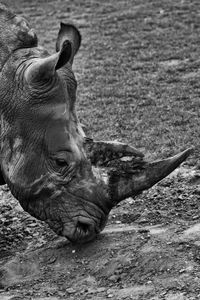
[43, 159]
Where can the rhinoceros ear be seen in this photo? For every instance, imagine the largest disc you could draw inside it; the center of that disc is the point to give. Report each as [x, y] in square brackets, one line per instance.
[69, 32]
[43, 69]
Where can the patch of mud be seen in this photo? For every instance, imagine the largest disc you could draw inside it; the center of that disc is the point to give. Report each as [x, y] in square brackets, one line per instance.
[16, 270]
[116, 270]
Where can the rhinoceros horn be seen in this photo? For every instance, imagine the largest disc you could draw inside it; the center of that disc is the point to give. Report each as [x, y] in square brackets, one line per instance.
[124, 183]
[43, 69]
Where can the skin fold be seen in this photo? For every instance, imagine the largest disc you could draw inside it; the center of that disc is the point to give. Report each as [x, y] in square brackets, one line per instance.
[59, 175]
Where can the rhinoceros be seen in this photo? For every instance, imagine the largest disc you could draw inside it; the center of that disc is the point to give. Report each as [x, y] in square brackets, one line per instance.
[57, 173]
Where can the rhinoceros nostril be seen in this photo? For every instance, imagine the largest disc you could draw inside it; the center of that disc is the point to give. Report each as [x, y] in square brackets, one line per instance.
[85, 227]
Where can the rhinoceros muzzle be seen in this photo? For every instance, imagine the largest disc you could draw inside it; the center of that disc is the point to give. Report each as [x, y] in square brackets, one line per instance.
[84, 231]
[106, 194]
[91, 219]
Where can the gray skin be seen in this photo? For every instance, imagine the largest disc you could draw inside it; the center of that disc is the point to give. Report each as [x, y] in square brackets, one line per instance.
[58, 174]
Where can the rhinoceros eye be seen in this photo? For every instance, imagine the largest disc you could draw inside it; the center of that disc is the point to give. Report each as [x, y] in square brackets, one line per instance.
[61, 162]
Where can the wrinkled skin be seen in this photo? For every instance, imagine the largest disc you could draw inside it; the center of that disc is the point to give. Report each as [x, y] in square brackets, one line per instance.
[46, 160]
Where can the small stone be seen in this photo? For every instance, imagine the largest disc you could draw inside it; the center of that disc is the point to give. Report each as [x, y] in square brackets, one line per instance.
[163, 293]
[110, 295]
[113, 278]
[182, 271]
[70, 291]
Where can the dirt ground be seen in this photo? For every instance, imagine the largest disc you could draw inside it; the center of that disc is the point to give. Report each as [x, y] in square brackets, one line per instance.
[138, 75]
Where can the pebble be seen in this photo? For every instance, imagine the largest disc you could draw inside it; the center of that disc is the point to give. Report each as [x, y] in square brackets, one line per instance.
[110, 295]
[114, 278]
[182, 271]
[70, 291]
[32, 224]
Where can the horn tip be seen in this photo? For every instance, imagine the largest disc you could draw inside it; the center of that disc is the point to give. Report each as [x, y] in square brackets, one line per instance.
[187, 152]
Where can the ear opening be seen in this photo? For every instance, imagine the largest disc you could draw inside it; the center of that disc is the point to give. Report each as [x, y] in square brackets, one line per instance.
[64, 55]
[69, 32]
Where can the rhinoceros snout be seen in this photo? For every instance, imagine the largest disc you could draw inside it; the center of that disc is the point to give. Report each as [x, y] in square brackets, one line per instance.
[84, 230]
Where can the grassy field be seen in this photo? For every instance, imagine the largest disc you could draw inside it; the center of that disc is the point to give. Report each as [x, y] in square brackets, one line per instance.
[137, 69]
[138, 82]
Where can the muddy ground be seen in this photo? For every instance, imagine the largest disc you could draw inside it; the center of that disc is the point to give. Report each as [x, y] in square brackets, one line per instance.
[138, 74]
